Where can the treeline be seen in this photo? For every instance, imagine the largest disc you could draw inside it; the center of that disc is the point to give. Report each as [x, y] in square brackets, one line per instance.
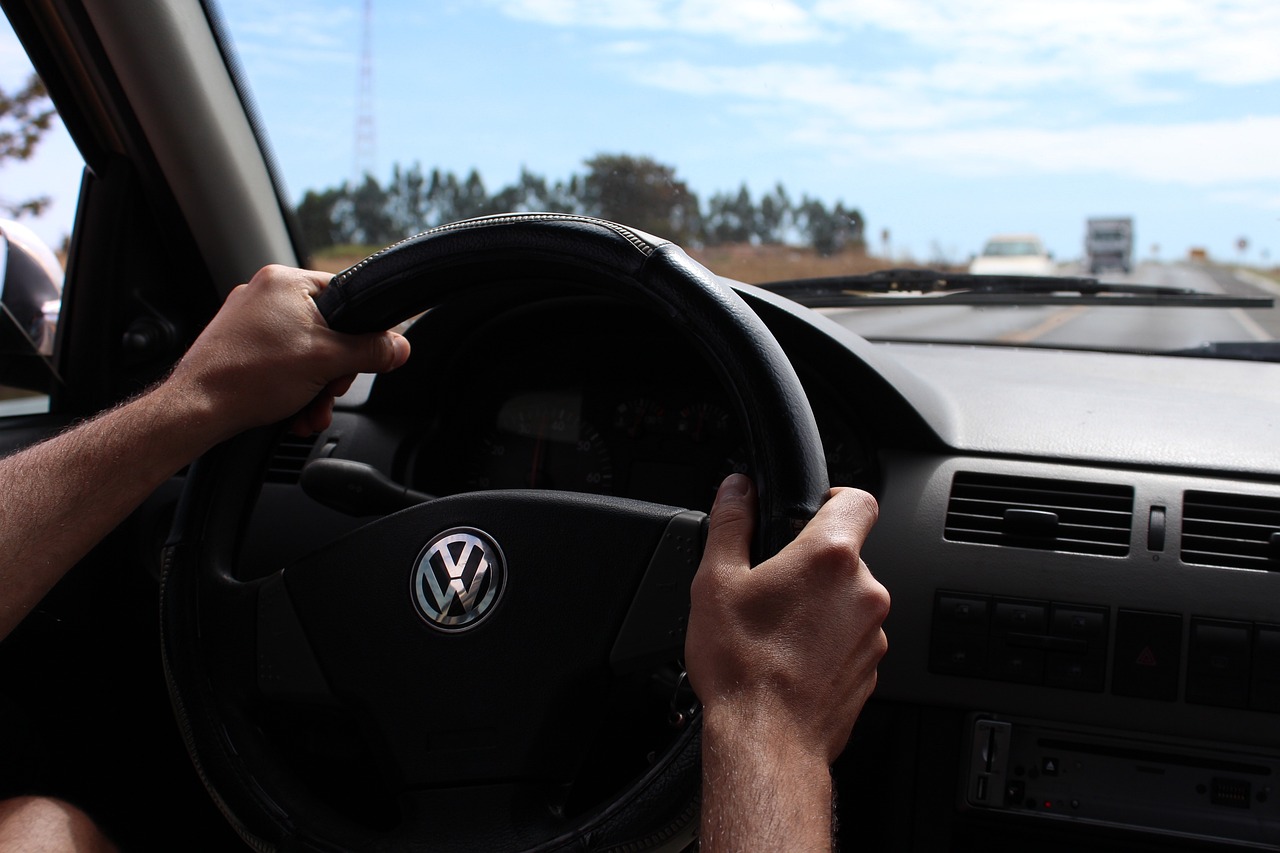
[635, 191]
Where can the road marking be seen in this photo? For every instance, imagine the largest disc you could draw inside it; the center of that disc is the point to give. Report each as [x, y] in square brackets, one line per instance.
[1250, 325]
[1044, 327]
[1259, 281]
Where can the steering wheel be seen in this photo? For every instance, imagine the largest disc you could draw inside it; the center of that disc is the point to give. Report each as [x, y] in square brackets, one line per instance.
[451, 660]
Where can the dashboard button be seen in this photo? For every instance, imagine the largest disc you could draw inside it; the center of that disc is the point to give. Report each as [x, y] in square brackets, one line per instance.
[1083, 623]
[1021, 617]
[1016, 663]
[1218, 663]
[962, 613]
[1076, 672]
[1264, 694]
[1147, 661]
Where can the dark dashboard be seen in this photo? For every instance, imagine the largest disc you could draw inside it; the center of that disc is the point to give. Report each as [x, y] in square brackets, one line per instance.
[1073, 643]
[581, 395]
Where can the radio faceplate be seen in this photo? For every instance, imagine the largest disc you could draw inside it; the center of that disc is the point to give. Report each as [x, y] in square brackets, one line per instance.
[1175, 787]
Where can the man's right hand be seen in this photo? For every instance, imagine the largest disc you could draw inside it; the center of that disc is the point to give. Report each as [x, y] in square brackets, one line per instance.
[782, 656]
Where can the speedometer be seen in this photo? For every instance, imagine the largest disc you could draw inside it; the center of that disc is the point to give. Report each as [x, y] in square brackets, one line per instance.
[540, 441]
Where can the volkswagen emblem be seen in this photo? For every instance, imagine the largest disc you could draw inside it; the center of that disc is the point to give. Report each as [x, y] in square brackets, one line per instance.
[458, 578]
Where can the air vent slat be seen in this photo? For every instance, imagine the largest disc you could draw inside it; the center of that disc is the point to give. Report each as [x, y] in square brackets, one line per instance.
[1092, 518]
[288, 458]
[1231, 531]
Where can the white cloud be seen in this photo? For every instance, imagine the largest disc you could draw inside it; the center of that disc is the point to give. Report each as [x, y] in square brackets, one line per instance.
[1195, 154]
[745, 21]
[288, 40]
[827, 92]
[1257, 197]
[1228, 42]
[1116, 43]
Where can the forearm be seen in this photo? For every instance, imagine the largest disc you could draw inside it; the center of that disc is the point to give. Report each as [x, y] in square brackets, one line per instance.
[266, 356]
[62, 496]
[761, 791]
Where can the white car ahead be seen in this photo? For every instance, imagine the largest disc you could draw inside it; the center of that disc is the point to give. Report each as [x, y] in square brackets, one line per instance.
[1013, 254]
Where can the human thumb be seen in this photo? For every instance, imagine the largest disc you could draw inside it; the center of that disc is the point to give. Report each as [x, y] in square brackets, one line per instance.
[382, 351]
[731, 524]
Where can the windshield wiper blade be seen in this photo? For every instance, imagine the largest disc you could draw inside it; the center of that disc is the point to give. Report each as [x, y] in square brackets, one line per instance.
[934, 287]
[1241, 350]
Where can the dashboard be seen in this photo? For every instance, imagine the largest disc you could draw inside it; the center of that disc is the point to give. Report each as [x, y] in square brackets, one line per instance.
[584, 396]
[1076, 653]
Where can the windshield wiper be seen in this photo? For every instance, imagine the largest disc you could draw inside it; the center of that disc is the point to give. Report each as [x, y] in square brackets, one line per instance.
[1241, 350]
[932, 287]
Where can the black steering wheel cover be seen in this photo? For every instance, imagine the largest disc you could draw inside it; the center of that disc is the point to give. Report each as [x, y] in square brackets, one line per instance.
[237, 768]
[416, 274]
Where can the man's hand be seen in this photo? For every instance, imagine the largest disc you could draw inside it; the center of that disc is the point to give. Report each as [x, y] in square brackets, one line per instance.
[269, 355]
[782, 656]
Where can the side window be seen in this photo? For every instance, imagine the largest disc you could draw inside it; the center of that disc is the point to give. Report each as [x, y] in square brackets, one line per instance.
[40, 172]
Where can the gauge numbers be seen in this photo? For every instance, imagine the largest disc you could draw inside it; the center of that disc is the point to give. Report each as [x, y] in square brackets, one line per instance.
[541, 441]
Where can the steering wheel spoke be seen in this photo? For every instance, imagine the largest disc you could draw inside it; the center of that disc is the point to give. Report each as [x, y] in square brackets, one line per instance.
[409, 621]
[468, 659]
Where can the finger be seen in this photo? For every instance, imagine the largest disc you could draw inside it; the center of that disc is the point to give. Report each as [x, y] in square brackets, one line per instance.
[377, 352]
[315, 417]
[731, 524]
[340, 386]
[850, 510]
[316, 281]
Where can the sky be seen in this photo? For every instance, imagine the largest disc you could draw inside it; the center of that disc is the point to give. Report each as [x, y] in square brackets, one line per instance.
[942, 122]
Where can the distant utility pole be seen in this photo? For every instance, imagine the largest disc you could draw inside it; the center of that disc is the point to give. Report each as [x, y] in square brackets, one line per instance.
[365, 141]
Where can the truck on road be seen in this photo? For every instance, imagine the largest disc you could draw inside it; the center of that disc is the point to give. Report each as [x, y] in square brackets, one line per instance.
[1108, 244]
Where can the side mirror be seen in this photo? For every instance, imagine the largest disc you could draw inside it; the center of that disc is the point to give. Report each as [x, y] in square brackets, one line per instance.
[30, 301]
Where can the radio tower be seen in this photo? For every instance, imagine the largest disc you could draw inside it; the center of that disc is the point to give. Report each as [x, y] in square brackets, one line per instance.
[365, 143]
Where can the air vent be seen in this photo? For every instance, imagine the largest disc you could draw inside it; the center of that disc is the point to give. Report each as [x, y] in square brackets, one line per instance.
[288, 457]
[1231, 531]
[1051, 515]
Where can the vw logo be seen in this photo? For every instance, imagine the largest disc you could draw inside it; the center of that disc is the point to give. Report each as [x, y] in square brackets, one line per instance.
[458, 578]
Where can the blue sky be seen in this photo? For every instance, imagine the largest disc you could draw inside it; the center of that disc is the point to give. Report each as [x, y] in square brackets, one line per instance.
[942, 122]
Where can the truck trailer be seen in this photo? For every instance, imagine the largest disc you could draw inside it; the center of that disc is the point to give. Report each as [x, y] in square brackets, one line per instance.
[1108, 244]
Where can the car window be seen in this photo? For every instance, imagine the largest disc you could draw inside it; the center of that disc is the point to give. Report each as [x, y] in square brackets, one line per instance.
[797, 139]
[1012, 247]
[40, 171]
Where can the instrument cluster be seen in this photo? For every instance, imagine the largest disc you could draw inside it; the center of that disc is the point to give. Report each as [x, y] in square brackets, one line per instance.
[597, 402]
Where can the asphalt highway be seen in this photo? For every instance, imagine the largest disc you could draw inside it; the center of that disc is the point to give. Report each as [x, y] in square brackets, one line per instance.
[1109, 326]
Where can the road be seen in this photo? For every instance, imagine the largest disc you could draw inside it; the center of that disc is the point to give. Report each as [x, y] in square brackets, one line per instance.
[1108, 327]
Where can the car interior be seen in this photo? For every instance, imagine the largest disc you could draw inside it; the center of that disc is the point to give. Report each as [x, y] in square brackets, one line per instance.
[1082, 546]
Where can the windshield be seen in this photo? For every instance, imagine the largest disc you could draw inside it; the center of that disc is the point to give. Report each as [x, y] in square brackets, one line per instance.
[788, 139]
[1001, 248]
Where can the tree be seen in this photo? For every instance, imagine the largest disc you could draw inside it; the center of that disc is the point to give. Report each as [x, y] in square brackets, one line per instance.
[830, 231]
[774, 218]
[473, 200]
[449, 200]
[635, 191]
[25, 117]
[318, 220]
[407, 206]
[363, 216]
[731, 217]
[641, 193]
[532, 193]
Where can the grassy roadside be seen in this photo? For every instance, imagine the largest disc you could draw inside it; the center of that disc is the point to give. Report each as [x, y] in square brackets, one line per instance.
[743, 262]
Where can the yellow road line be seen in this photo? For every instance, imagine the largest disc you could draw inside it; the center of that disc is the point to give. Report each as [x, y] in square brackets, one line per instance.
[1044, 327]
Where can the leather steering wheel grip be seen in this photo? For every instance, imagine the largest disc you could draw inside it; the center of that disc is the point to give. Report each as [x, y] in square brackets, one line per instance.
[218, 637]
[415, 274]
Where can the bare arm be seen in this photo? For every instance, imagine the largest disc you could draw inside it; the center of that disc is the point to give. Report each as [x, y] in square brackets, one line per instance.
[782, 657]
[266, 356]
